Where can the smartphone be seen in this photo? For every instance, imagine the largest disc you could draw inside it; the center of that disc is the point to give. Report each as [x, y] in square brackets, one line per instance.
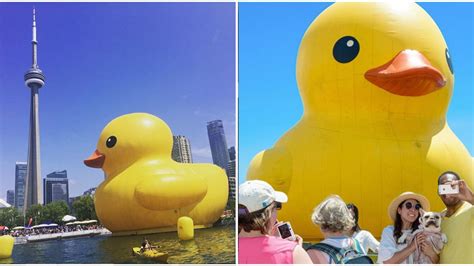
[286, 232]
[448, 189]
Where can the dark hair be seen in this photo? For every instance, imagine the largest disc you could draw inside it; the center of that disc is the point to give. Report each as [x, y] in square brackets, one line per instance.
[354, 209]
[397, 231]
[258, 220]
[456, 176]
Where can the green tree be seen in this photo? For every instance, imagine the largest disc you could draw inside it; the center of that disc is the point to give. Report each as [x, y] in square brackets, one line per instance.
[35, 212]
[54, 211]
[10, 217]
[84, 208]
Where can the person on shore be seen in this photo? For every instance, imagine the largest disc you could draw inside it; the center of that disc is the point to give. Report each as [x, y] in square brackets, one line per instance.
[365, 238]
[404, 212]
[458, 223]
[335, 222]
[258, 205]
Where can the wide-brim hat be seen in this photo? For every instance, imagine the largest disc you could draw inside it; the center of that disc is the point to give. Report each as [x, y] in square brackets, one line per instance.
[257, 195]
[392, 208]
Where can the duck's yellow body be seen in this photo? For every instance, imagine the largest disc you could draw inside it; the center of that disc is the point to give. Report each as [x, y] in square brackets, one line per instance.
[6, 246]
[373, 125]
[146, 191]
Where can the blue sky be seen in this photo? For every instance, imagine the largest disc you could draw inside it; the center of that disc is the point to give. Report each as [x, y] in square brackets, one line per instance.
[103, 60]
[269, 101]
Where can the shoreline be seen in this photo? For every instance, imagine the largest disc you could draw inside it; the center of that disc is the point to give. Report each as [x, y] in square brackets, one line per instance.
[45, 237]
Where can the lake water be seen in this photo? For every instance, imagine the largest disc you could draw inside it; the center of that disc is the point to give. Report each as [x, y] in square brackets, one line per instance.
[211, 245]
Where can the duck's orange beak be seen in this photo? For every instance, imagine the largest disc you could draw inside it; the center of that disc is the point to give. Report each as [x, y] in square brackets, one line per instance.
[409, 73]
[96, 160]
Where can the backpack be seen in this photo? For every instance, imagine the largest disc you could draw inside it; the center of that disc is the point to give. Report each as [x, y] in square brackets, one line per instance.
[349, 255]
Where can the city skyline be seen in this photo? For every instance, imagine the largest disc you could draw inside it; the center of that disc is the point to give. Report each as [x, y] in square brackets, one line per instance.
[97, 72]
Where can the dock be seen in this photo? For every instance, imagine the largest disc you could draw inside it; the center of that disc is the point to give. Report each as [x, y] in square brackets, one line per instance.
[65, 235]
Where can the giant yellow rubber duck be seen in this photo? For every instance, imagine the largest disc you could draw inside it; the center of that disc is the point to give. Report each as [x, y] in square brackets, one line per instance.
[375, 80]
[6, 246]
[144, 190]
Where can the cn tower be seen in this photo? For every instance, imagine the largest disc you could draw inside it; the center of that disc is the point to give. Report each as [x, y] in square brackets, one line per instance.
[34, 79]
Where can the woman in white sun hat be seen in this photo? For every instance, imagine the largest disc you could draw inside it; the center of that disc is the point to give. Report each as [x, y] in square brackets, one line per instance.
[258, 205]
[404, 212]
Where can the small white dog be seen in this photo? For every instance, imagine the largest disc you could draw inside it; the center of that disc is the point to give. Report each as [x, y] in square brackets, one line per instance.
[430, 225]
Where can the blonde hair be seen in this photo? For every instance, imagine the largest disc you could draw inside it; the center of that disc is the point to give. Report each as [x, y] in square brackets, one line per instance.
[333, 215]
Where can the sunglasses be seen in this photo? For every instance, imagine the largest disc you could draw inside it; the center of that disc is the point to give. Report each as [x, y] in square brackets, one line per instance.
[409, 205]
[278, 205]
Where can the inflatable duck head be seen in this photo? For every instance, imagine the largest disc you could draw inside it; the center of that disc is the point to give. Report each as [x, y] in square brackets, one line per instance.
[374, 61]
[129, 138]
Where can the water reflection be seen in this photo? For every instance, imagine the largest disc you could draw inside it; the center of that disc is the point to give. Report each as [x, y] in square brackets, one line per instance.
[190, 251]
[6, 261]
[213, 245]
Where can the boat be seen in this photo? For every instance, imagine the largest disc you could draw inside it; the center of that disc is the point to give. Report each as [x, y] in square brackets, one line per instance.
[150, 254]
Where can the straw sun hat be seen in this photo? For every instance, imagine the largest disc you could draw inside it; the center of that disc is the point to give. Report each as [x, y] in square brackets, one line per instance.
[392, 208]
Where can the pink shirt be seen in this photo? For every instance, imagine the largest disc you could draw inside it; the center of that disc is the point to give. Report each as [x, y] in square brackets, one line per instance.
[265, 250]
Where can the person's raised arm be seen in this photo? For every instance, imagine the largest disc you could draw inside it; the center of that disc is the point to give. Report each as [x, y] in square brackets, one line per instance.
[465, 192]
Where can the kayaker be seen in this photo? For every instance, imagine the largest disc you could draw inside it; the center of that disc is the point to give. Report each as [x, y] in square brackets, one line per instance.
[146, 246]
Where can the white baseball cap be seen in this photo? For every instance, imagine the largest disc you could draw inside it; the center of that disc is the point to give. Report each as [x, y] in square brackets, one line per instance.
[256, 195]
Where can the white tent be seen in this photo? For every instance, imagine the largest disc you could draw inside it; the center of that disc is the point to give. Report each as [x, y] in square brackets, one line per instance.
[89, 221]
[39, 226]
[69, 218]
[18, 228]
[4, 204]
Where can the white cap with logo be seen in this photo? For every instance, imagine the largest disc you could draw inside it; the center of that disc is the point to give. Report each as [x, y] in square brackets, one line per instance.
[257, 195]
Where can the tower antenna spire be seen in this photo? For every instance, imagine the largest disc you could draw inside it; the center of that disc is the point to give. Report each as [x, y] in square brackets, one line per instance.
[34, 79]
[34, 42]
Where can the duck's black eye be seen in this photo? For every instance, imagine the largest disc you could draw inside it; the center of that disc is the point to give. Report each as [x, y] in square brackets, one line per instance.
[111, 141]
[346, 49]
[448, 59]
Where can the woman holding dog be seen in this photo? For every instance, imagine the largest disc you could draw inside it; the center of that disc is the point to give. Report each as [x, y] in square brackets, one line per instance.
[404, 212]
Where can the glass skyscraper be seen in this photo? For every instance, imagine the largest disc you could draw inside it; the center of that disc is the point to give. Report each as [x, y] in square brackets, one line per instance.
[232, 153]
[56, 187]
[20, 176]
[11, 197]
[220, 154]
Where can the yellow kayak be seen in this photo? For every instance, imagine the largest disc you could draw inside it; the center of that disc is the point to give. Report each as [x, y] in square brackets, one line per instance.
[151, 254]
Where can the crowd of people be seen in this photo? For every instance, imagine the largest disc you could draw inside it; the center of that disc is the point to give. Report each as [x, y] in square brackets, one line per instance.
[344, 241]
[53, 230]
